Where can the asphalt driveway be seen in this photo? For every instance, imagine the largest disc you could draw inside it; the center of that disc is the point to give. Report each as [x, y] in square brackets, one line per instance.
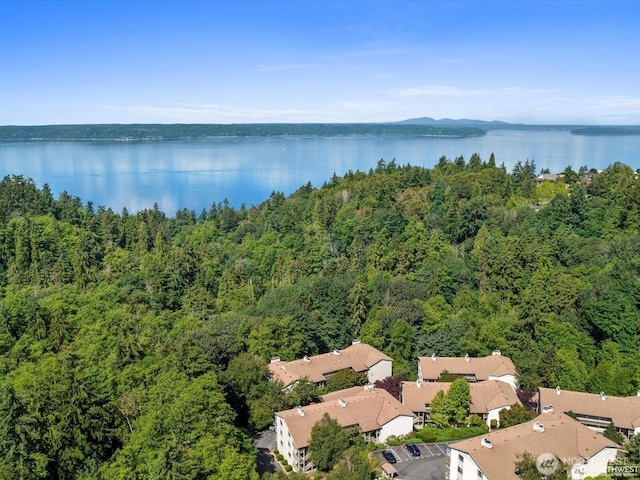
[265, 442]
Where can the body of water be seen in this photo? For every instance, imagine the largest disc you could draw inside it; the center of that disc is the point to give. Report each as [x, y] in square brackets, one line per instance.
[195, 174]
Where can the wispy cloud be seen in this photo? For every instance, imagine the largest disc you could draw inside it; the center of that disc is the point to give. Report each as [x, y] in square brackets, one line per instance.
[206, 112]
[332, 60]
[288, 66]
[454, 60]
[453, 91]
[368, 52]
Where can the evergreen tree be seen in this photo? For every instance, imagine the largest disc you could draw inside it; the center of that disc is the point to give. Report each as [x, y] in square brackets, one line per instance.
[327, 444]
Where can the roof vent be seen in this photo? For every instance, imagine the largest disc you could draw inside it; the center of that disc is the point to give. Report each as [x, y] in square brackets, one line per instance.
[485, 442]
[602, 396]
[547, 409]
[466, 357]
[275, 359]
[306, 359]
[336, 351]
[557, 390]
[355, 341]
[433, 356]
[496, 352]
[342, 402]
[419, 383]
[538, 427]
[300, 411]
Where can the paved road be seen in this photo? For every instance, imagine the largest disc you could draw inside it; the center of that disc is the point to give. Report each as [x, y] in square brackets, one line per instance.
[430, 465]
[265, 442]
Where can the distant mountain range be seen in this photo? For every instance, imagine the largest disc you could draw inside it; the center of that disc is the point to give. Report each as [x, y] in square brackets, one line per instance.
[464, 122]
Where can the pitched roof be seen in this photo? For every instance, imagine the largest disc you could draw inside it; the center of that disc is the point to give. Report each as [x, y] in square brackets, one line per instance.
[562, 436]
[369, 408]
[548, 176]
[485, 396]
[359, 357]
[482, 367]
[623, 411]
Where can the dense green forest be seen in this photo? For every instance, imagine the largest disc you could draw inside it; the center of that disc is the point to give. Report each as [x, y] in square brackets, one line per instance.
[134, 346]
[157, 132]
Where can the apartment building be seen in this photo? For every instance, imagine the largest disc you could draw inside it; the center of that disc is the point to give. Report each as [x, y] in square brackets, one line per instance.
[375, 412]
[487, 399]
[474, 369]
[359, 357]
[594, 410]
[550, 438]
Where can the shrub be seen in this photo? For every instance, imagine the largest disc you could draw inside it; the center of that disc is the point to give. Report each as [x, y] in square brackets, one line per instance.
[380, 446]
[475, 420]
[428, 435]
[288, 468]
[494, 424]
[284, 462]
[276, 451]
[279, 456]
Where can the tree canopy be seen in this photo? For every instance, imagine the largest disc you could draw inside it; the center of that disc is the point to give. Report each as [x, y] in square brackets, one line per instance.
[121, 333]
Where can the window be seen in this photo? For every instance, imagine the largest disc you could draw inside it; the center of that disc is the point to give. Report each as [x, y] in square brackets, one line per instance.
[461, 459]
[480, 474]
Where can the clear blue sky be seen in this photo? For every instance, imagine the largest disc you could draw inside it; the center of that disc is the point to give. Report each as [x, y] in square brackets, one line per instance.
[124, 61]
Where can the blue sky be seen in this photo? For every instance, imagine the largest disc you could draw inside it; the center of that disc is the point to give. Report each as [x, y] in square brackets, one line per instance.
[126, 61]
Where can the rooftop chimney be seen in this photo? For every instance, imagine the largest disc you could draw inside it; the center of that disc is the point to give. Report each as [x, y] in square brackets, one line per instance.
[538, 427]
[466, 357]
[300, 411]
[368, 386]
[306, 359]
[602, 396]
[342, 402]
[355, 341]
[557, 390]
[433, 356]
[496, 352]
[336, 351]
[547, 409]
[275, 359]
[485, 442]
[419, 383]
[638, 393]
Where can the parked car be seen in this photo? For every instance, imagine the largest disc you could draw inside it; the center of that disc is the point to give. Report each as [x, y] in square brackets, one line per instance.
[389, 457]
[413, 449]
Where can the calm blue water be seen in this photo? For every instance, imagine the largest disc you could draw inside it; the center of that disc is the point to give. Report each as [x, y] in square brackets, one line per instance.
[194, 174]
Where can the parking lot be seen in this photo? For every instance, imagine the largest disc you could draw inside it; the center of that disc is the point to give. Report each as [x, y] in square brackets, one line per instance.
[430, 465]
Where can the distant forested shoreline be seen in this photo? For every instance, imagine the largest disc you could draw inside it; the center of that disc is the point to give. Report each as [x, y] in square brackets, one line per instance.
[602, 130]
[159, 132]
